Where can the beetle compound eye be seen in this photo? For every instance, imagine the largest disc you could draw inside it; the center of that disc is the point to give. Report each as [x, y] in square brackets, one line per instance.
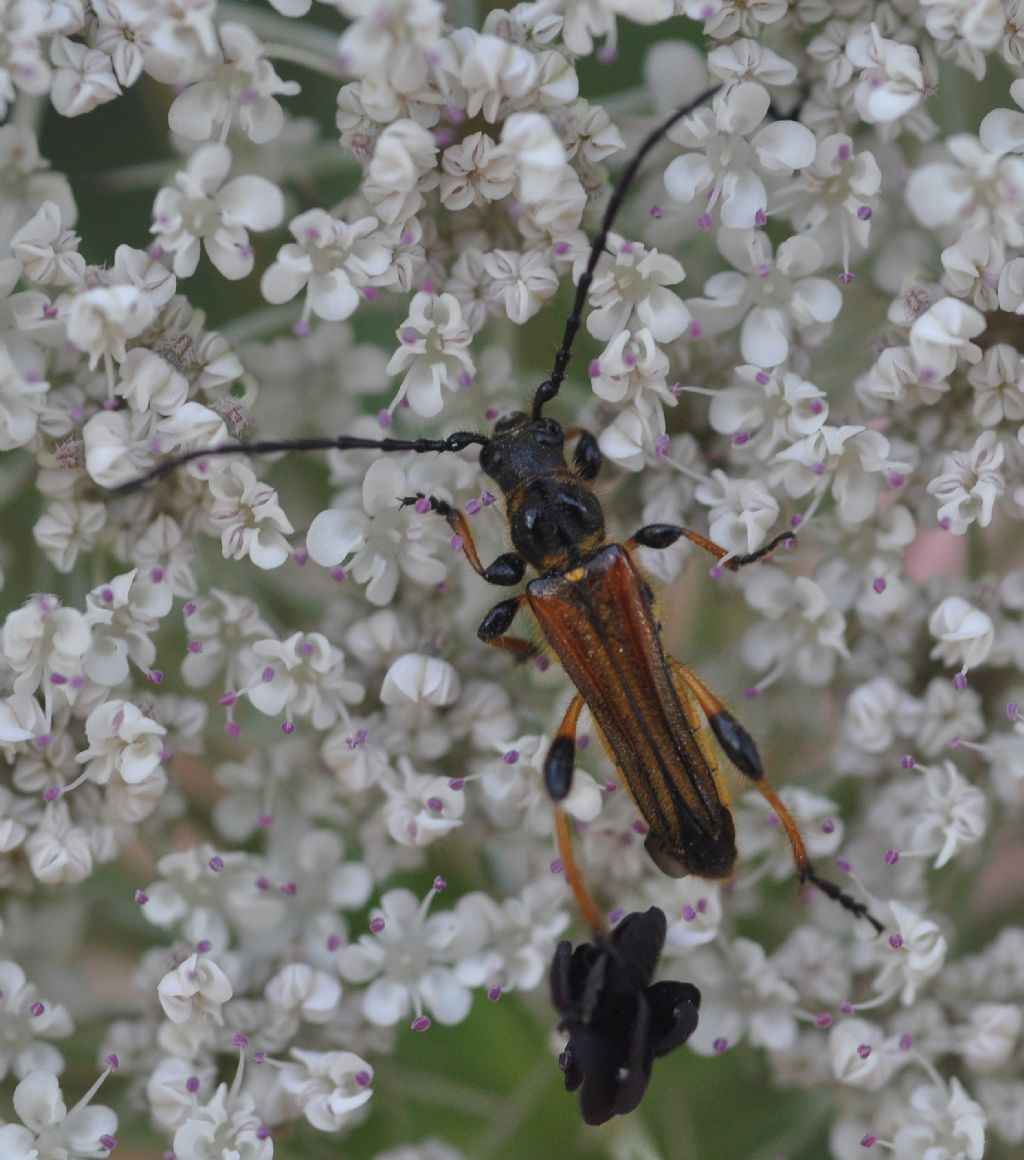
[490, 459]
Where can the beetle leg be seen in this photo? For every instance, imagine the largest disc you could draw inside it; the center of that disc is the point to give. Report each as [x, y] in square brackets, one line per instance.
[739, 747]
[588, 908]
[558, 768]
[517, 645]
[493, 627]
[507, 570]
[665, 535]
[561, 757]
[586, 457]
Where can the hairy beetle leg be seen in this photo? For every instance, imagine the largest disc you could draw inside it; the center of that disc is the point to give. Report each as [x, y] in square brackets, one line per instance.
[739, 747]
[660, 536]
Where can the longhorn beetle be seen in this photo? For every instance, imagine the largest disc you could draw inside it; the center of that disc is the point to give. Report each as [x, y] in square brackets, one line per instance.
[595, 610]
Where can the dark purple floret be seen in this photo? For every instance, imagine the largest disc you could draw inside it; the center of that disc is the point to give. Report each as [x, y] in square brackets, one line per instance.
[618, 1021]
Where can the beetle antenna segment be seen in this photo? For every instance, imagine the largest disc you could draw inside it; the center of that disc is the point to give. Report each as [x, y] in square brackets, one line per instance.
[551, 386]
[454, 442]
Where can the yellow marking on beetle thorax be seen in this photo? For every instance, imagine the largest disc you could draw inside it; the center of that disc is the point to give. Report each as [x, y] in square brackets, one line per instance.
[575, 575]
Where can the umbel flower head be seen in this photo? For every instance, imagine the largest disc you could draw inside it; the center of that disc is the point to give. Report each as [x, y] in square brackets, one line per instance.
[252, 695]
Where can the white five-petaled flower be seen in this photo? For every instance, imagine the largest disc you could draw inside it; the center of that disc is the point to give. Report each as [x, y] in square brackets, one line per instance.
[220, 627]
[834, 198]
[976, 188]
[331, 260]
[149, 382]
[122, 741]
[635, 280]
[998, 382]
[766, 410]
[83, 77]
[123, 615]
[855, 462]
[417, 679]
[946, 1122]
[802, 632]
[202, 207]
[514, 789]
[408, 962]
[965, 634]
[242, 86]
[433, 353]
[22, 398]
[401, 170]
[862, 1056]
[196, 990]
[876, 713]
[519, 940]
[518, 284]
[104, 318]
[48, 252]
[60, 852]
[250, 520]
[420, 808]
[969, 483]
[912, 957]
[747, 998]
[758, 829]
[636, 436]
[630, 365]
[303, 676]
[42, 641]
[774, 296]
[304, 992]
[536, 155]
[125, 32]
[49, 1129]
[742, 512]
[989, 1036]
[493, 71]
[731, 156]
[390, 39]
[476, 171]
[121, 445]
[950, 814]
[227, 1125]
[331, 1087]
[892, 81]
[28, 1022]
[942, 336]
[980, 23]
[380, 542]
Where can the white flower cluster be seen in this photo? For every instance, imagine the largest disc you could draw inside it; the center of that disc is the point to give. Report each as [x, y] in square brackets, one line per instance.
[806, 316]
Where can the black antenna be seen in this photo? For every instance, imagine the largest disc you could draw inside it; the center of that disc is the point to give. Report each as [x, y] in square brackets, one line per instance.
[454, 442]
[551, 386]
[460, 439]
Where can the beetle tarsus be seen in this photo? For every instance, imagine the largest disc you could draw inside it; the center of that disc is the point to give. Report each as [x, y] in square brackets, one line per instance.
[837, 894]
